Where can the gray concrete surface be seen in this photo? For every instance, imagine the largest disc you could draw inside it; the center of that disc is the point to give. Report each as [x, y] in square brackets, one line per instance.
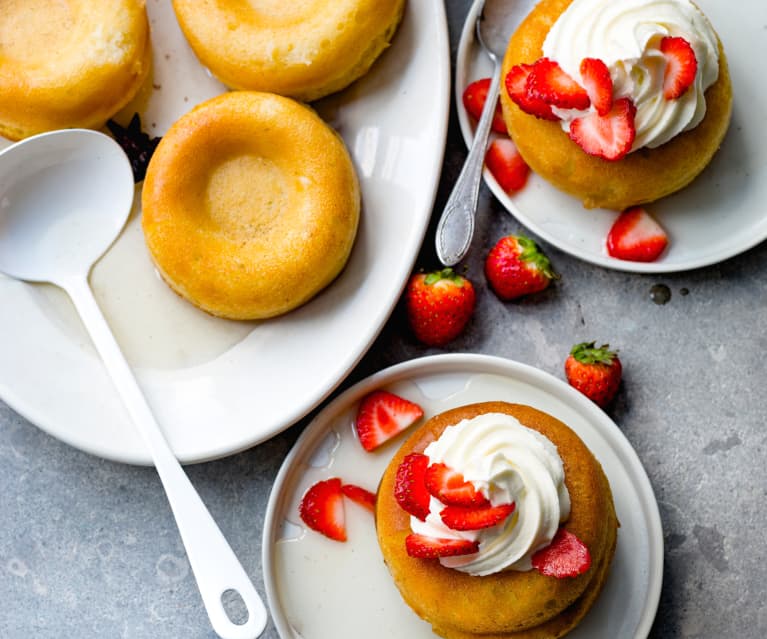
[88, 548]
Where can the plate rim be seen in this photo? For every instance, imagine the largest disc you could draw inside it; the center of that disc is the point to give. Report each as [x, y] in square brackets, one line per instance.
[466, 46]
[465, 363]
[33, 412]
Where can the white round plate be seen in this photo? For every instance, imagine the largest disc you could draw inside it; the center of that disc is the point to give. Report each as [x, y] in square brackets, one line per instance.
[722, 213]
[319, 588]
[218, 386]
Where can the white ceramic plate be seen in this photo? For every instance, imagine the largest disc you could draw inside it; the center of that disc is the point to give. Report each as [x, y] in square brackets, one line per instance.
[217, 386]
[722, 213]
[318, 588]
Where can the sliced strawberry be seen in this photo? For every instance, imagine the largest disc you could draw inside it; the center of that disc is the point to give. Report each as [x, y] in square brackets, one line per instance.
[598, 84]
[474, 97]
[607, 136]
[425, 547]
[636, 236]
[516, 87]
[681, 66]
[357, 494]
[382, 415]
[566, 556]
[451, 488]
[549, 82]
[507, 165]
[459, 518]
[410, 486]
[322, 509]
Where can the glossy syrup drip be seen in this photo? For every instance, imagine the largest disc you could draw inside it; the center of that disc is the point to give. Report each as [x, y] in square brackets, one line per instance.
[660, 294]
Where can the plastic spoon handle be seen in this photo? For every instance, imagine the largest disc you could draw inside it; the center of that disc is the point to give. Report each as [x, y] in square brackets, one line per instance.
[215, 566]
[456, 226]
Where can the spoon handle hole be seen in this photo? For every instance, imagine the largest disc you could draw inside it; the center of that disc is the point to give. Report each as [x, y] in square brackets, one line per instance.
[235, 607]
[215, 566]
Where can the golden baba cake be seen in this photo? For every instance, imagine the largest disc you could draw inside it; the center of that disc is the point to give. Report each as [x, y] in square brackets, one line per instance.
[305, 49]
[250, 205]
[493, 593]
[673, 138]
[69, 63]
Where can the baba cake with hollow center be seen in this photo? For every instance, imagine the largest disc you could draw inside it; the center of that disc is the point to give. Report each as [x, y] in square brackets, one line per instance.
[305, 49]
[675, 139]
[494, 594]
[250, 205]
[69, 63]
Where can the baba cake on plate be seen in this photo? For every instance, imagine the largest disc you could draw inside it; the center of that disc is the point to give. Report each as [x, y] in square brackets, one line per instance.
[250, 205]
[305, 49]
[69, 63]
[473, 556]
[616, 103]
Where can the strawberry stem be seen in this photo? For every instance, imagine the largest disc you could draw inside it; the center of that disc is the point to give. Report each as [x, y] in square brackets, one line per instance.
[444, 274]
[531, 253]
[588, 353]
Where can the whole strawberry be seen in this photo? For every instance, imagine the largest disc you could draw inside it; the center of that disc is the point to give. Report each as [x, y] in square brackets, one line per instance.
[595, 372]
[516, 266]
[439, 305]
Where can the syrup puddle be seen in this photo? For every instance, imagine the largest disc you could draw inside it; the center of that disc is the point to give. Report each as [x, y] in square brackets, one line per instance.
[344, 590]
[154, 327]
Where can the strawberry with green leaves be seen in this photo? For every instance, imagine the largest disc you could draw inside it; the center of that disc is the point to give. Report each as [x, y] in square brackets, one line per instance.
[516, 266]
[594, 371]
[439, 305]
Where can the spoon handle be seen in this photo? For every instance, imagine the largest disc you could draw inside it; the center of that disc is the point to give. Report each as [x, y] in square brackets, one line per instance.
[456, 226]
[214, 564]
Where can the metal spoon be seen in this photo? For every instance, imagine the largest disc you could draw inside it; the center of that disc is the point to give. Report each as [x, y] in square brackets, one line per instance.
[64, 198]
[495, 21]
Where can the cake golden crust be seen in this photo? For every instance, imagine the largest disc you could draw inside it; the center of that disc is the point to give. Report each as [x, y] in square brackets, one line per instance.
[69, 64]
[642, 176]
[305, 49]
[250, 205]
[509, 604]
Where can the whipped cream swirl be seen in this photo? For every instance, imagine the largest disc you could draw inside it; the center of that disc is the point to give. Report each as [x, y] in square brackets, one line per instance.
[626, 36]
[507, 462]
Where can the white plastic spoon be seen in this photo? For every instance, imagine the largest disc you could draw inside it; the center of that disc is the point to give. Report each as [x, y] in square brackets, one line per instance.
[64, 198]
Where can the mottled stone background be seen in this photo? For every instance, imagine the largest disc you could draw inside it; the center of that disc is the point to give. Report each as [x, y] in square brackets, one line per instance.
[89, 549]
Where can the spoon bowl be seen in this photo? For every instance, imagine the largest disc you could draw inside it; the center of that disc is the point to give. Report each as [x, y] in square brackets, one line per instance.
[494, 22]
[64, 198]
